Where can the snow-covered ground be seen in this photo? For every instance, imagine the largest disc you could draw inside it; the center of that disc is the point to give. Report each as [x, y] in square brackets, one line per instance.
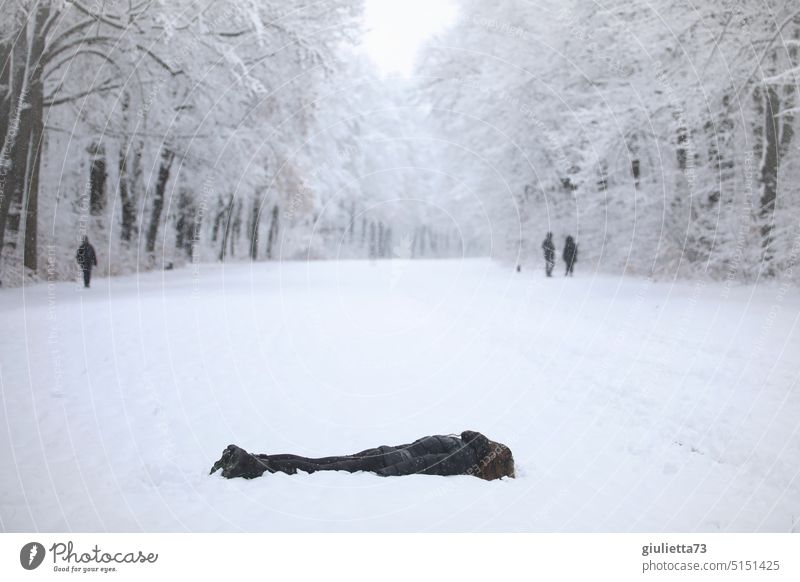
[629, 405]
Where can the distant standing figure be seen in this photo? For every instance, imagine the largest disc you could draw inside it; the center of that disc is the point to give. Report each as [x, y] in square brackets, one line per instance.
[549, 254]
[87, 259]
[570, 254]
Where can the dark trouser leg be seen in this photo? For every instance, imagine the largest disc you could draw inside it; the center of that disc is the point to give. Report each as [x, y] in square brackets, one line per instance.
[364, 461]
[236, 462]
[87, 277]
[549, 268]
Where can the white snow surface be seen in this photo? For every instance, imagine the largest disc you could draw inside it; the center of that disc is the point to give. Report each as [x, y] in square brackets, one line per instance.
[630, 405]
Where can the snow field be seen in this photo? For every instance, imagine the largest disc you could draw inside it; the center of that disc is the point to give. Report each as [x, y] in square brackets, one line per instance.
[630, 405]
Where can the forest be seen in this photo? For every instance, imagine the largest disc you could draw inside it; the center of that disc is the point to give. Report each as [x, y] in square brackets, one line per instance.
[319, 230]
[660, 134]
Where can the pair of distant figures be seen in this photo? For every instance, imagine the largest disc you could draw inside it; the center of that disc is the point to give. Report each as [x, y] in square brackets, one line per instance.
[570, 254]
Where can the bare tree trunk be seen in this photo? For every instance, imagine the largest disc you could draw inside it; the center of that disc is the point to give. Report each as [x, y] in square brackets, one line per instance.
[127, 190]
[158, 198]
[373, 243]
[13, 156]
[680, 152]
[352, 221]
[97, 179]
[32, 196]
[130, 169]
[273, 232]
[387, 244]
[769, 167]
[236, 224]
[36, 140]
[226, 229]
[186, 224]
[254, 219]
[217, 223]
[790, 91]
[7, 95]
[12, 105]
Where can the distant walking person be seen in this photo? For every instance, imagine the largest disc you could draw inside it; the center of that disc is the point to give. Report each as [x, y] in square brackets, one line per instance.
[549, 254]
[87, 259]
[570, 254]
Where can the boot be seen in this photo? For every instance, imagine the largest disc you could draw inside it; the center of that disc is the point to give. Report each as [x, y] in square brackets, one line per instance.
[236, 462]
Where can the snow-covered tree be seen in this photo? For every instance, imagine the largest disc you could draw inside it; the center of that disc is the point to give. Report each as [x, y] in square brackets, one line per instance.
[156, 127]
[662, 133]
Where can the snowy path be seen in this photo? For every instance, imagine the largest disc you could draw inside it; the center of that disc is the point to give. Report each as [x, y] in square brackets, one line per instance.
[629, 405]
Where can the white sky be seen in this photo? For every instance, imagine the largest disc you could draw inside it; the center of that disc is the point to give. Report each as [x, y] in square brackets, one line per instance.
[397, 28]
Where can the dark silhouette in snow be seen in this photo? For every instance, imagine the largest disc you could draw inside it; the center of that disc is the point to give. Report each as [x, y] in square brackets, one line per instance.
[470, 453]
[87, 259]
[549, 254]
[570, 254]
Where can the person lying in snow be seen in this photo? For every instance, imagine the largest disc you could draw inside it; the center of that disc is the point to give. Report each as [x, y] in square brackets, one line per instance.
[471, 453]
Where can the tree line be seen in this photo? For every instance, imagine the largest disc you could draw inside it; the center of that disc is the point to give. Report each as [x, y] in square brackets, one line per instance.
[158, 128]
[662, 133]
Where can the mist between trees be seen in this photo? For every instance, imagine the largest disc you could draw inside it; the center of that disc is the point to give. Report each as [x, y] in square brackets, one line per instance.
[193, 131]
[660, 134]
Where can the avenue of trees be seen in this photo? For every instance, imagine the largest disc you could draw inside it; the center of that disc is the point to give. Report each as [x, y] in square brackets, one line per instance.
[181, 131]
[661, 134]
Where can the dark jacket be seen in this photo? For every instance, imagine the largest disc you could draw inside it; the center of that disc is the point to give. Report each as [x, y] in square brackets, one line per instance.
[86, 257]
[470, 454]
[549, 249]
[570, 251]
[430, 455]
